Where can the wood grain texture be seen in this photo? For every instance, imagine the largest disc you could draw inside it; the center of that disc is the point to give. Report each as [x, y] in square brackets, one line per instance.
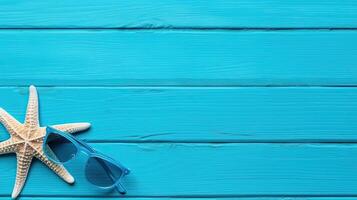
[167, 101]
[179, 58]
[213, 114]
[212, 170]
[178, 14]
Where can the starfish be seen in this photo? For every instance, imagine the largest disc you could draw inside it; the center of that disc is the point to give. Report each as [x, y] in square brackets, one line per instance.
[26, 141]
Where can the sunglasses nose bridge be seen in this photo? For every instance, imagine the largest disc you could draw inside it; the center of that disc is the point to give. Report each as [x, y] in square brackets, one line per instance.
[85, 151]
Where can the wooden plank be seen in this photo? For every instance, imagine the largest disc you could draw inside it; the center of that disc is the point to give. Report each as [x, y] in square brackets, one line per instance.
[178, 58]
[212, 170]
[178, 14]
[225, 114]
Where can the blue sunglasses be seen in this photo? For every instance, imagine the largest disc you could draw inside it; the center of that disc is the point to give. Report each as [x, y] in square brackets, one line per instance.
[102, 171]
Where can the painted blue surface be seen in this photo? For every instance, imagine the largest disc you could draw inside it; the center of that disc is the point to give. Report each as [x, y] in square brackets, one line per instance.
[178, 14]
[251, 100]
[178, 58]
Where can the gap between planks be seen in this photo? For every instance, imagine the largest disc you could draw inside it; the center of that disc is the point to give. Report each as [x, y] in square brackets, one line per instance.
[247, 29]
[226, 197]
[120, 86]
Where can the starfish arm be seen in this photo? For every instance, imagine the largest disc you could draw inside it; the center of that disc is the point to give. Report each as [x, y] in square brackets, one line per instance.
[72, 127]
[23, 166]
[32, 116]
[7, 146]
[57, 168]
[10, 123]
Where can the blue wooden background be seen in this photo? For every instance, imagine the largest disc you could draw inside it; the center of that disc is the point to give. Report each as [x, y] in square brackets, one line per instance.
[234, 99]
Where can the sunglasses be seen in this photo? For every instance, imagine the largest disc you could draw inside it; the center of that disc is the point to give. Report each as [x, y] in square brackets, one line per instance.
[100, 170]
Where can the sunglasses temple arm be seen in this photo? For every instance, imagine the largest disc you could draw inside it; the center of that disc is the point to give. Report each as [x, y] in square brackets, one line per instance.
[120, 188]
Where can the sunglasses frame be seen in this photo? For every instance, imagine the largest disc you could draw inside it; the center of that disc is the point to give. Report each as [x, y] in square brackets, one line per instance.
[81, 146]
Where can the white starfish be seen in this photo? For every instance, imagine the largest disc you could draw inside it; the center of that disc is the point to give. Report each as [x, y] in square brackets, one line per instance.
[26, 141]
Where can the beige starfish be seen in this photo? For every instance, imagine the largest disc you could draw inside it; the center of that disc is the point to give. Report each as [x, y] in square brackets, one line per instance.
[26, 141]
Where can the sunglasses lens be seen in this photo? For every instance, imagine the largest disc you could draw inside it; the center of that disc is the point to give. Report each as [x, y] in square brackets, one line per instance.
[59, 148]
[102, 173]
